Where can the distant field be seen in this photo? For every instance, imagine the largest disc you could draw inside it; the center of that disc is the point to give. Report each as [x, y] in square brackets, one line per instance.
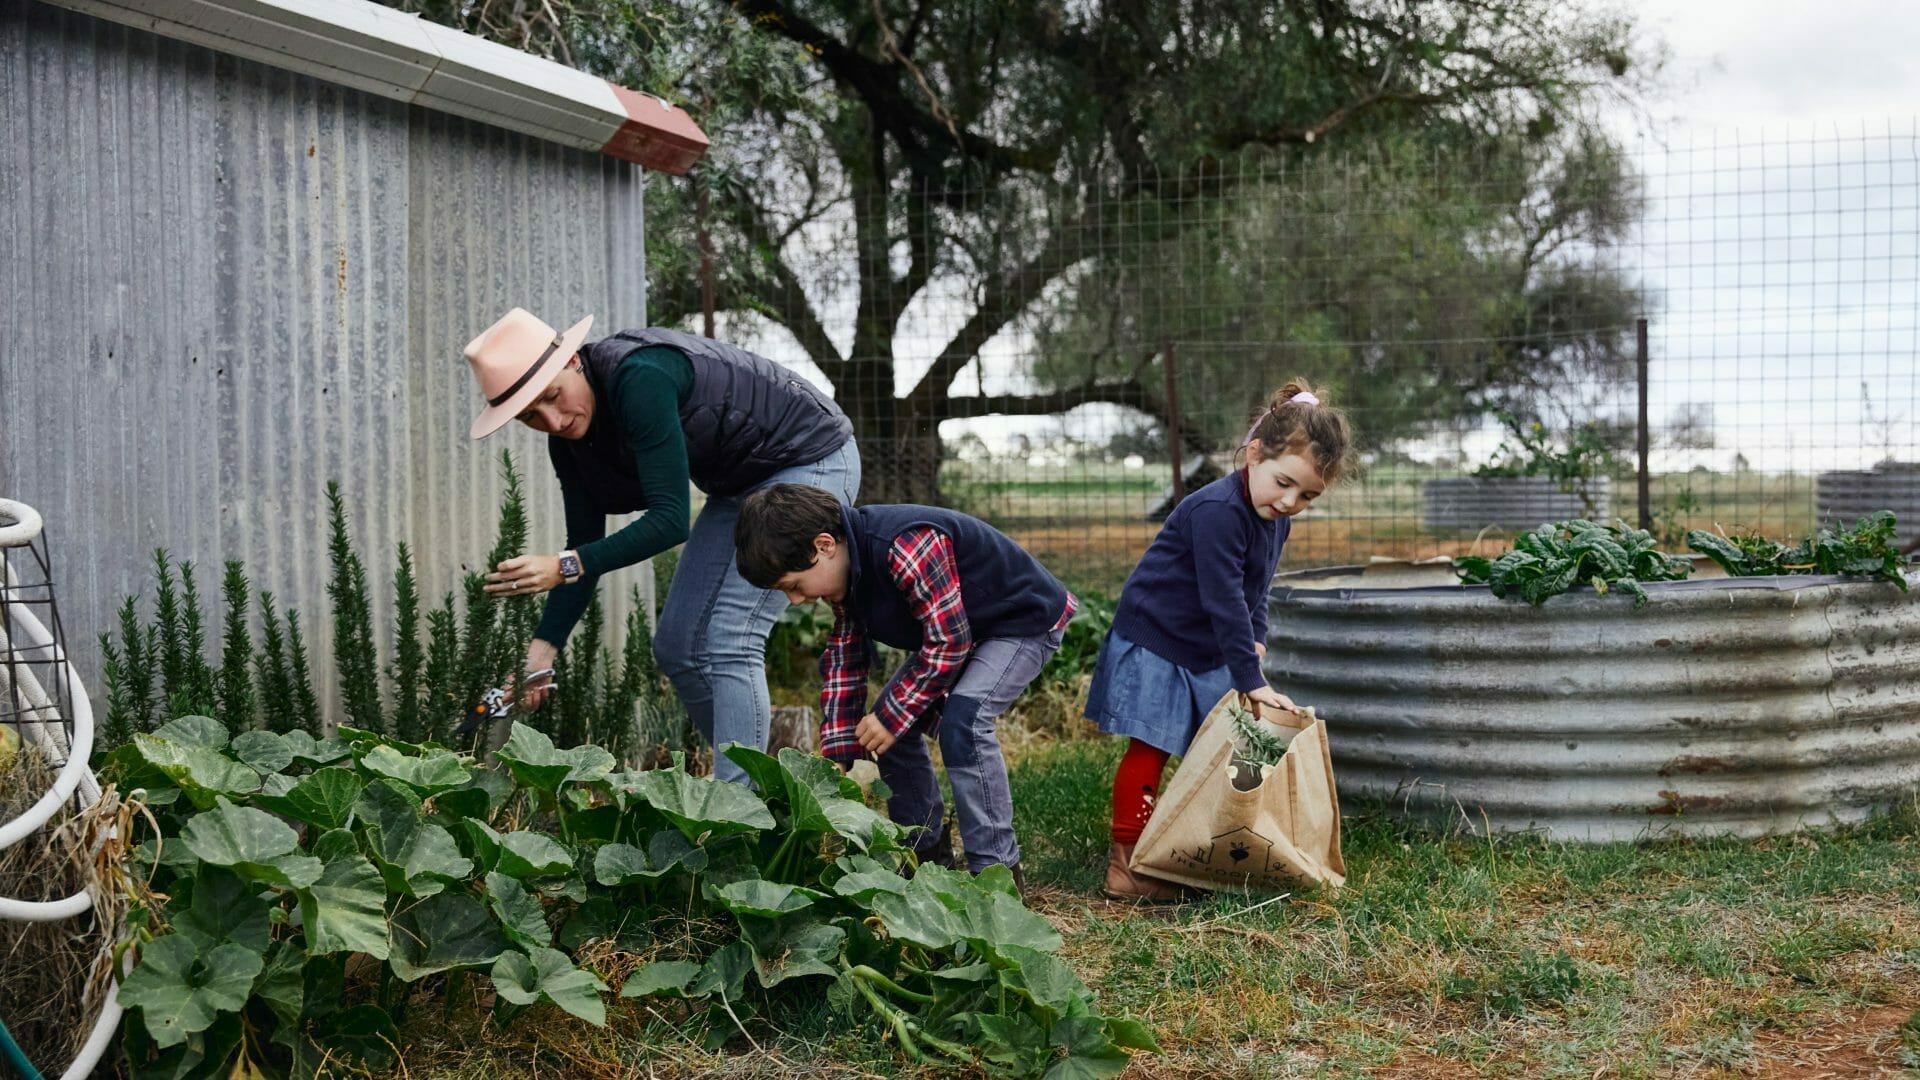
[1087, 522]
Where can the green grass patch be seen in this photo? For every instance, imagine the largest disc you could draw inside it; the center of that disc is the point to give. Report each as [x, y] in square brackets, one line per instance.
[1444, 956]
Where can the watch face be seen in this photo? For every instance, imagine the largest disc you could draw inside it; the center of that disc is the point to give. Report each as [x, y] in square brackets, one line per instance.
[570, 565]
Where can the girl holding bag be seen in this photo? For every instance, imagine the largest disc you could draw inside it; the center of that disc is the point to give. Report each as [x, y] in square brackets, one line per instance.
[1192, 620]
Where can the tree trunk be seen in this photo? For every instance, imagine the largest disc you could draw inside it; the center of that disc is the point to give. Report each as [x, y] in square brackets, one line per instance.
[900, 453]
[901, 469]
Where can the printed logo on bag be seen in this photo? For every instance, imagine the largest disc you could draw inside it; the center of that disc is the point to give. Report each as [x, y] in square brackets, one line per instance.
[1241, 850]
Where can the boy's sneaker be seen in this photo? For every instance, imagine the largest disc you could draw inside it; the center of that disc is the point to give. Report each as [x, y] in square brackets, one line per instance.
[1124, 883]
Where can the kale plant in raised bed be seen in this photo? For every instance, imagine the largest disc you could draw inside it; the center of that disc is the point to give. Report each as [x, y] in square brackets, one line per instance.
[1866, 549]
[1556, 557]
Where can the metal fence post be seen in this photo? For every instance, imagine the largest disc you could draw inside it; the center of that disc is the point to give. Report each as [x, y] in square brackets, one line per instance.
[1169, 366]
[1646, 486]
[705, 239]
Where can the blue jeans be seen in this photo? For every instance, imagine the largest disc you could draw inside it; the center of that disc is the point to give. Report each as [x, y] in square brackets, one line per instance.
[712, 636]
[996, 673]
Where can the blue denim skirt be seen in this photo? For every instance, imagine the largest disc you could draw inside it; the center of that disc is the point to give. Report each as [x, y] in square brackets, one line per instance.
[1143, 695]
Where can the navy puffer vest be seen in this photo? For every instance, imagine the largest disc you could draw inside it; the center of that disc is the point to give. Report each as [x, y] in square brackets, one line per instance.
[1007, 593]
[745, 419]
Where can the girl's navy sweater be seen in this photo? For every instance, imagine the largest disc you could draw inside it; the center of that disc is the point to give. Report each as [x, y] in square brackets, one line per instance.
[1199, 595]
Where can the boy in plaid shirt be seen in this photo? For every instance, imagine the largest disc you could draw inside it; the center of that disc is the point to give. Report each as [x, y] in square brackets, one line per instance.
[979, 615]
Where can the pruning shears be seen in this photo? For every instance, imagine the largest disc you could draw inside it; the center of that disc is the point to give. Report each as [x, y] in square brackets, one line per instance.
[497, 703]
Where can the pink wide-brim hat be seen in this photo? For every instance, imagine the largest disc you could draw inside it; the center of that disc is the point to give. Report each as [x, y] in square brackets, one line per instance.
[515, 360]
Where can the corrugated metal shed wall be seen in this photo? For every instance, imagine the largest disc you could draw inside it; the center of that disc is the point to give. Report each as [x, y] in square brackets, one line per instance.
[227, 284]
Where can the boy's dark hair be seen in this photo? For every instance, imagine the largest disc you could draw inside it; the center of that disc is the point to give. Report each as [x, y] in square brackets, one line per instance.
[773, 536]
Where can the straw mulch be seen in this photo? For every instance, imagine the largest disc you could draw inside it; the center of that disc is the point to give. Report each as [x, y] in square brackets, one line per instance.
[55, 973]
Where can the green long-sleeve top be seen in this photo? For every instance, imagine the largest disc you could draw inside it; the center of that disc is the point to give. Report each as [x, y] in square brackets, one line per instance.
[646, 392]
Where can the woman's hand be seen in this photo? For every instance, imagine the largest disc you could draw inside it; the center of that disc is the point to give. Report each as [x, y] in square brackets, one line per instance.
[1269, 697]
[540, 657]
[524, 575]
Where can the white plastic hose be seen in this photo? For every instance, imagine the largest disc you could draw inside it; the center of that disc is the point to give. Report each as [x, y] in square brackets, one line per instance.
[76, 768]
[74, 775]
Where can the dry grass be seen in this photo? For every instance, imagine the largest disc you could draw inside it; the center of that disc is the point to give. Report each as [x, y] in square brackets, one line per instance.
[1445, 956]
[55, 972]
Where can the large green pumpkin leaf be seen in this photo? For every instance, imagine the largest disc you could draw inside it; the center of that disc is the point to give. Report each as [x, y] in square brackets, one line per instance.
[433, 772]
[536, 763]
[481, 842]
[263, 751]
[496, 782]
[316, 752]
[415, 856]
[724, 973]
[224, 909]
[993, 921]
[445, 931]
[1043, 978]
[663, 977]
[858, 822]
[954, 888]
[201, 731]
[179, 990]
[615, 865]
[667, 851]
[819, 774]
[779, 786]
[547, 975]
[765, 772]
[701, 808]
[255, 843]
[969, 973]
[766, 899]
[1014, 1041]
[282, 983]
[861, 885]
[790, 948]
[519, 912]
[363, 741]
[323, 799]
[1090, 1054]
[1131, 1034]
[525, 854]
[465, 803]
[918, 918]
[344, 911]
[624, 864]
[203, 773]
[363, 1035]
[602, 918]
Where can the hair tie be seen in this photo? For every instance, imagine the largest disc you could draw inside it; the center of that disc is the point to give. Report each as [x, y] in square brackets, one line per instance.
[1304, 397]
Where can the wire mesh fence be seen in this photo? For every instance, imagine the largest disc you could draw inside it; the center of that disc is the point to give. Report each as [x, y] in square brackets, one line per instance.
[1738, 312]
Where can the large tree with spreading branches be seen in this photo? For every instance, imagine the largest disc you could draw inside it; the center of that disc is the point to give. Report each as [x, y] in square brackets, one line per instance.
[898, 184]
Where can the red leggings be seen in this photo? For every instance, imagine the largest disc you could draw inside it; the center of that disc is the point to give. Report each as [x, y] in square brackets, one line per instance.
[1136, 783]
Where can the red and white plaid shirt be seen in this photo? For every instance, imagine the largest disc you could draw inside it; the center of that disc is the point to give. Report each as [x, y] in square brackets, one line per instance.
[920, 564]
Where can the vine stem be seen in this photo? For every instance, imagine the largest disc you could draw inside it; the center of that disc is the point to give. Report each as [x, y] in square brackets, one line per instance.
[862, 971]
[893, 1018]
[779, 863]
[865, 978]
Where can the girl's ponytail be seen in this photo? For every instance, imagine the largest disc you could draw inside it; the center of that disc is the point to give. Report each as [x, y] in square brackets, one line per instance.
[1299, 420]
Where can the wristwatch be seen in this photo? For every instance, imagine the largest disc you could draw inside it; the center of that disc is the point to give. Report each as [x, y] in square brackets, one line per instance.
[569, 567]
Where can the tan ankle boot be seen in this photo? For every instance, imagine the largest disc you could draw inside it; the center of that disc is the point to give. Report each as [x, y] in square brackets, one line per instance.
[1124, 884]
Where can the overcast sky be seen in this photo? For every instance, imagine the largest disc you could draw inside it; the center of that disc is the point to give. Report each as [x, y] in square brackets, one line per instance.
[1781, 238]
[1782, 231]
[1781, 63]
